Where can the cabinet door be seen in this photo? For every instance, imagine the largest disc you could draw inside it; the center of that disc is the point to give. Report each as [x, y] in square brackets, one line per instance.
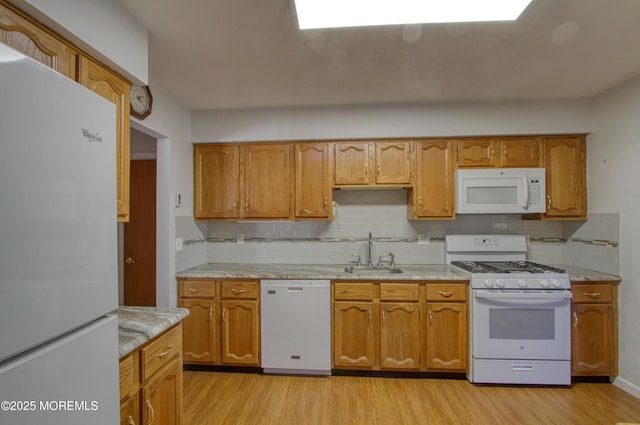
[162, 396]
[520, 152]
[32, 40]
[240, 329]
[393, 163]
[312, 181]
[592, 340]
[199, 333]
[115, 89]
[354, 333]
[399, 335]
[564, 160]
[476, 153]
[216, 181]
[351, 164]
[130, 410]
[267, 181]
[447, 336]
[433, 190]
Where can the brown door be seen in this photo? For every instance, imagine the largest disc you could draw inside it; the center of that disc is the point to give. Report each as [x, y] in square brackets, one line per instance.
[140, 236]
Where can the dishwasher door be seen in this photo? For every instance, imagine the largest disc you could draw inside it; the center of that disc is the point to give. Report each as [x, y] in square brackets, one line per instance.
[296, 326]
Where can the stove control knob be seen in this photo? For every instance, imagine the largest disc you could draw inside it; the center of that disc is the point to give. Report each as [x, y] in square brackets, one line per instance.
[500, 283]
[544, 283]
[556, 283]
[522, 283]
[488, 283]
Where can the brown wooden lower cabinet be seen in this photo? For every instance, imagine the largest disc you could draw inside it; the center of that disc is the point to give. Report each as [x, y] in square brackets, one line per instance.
[594, 329]
[384, 325]
[151, 381]
[223, 327]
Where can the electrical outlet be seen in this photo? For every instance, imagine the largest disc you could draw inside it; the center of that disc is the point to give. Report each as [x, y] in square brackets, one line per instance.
[240, 238]
[423, 239]
[179, 244]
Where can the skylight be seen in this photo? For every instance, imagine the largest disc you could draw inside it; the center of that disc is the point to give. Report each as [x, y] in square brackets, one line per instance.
[314, 14]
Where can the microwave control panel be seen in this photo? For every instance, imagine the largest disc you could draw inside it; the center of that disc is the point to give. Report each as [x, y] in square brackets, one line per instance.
[535, 191]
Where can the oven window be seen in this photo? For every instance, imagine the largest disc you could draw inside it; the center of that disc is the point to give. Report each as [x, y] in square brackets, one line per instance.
[492, 195]
[521, 323]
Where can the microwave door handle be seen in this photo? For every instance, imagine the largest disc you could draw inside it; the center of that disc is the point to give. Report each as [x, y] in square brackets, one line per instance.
[525, 203]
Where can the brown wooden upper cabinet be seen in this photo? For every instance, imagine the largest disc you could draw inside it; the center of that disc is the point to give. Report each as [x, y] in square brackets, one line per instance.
[433, 192]
[250, 181]
[115, 89]
[565, 164]
[515, 152]
[369, 164]
[22, 33]
[313, 195]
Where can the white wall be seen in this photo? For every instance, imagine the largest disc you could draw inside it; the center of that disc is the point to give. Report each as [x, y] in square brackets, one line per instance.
[613, 151]
[103, 28]
[411, 120]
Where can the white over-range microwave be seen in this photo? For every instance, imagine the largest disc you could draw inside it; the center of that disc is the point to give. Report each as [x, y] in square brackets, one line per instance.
[500, 191]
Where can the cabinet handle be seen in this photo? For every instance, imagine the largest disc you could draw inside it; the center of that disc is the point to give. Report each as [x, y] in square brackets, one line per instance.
[370, 318]
[129, 260]
[210, 314]
[224, 311]
[165, 352]
[445, 294]
[195, 290]
[548, 202]
[366, 170]
[493, 152]
[153, 412]
[383, 317]
[246, 204]
[238, 291]
[419, 203]
[326, 202]
[235, 204]
[593, 295]
[575, 320]
[430, 318]
[504, 153]
[378, 169]
[131, 421]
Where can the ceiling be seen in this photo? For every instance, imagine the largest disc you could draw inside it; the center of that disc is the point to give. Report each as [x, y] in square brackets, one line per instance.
[219, 54]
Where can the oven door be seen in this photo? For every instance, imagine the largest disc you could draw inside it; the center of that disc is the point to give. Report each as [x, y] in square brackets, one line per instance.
[513, 324]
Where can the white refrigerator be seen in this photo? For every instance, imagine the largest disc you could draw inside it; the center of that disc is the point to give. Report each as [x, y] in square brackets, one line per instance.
[58, 249]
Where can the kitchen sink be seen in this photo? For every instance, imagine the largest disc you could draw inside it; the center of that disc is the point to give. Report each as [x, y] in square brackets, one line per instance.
[373, 269]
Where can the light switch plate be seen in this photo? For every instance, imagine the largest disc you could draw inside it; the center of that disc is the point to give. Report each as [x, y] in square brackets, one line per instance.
[179, 244]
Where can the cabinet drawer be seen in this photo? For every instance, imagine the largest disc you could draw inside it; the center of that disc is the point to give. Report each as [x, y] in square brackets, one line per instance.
[353, 291]
[446, 292]
[160, 351]
[399, 291]
[240, 290]
[204, 289]
[128, 375]
[592, 293]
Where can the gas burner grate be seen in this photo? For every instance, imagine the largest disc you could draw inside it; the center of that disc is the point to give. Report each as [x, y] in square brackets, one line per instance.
[505, 267]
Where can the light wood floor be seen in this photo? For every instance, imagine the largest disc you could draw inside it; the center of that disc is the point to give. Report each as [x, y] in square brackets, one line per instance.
[237, 398]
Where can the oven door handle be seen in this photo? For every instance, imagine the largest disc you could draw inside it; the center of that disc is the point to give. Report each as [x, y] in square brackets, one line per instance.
[560, 295]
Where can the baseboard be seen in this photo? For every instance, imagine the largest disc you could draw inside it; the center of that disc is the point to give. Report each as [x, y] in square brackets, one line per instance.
[632, 389]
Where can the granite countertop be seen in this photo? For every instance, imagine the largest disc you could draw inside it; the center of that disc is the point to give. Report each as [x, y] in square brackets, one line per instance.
[337, 271]
[137, 325]
[321, 271]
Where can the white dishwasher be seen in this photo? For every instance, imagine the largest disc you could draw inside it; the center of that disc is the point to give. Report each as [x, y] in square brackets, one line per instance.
[296, 326]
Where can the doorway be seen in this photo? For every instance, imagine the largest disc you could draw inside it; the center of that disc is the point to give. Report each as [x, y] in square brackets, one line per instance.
[139, 234]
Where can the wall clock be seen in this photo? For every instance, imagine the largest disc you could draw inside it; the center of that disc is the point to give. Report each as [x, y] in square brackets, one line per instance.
[141, 101]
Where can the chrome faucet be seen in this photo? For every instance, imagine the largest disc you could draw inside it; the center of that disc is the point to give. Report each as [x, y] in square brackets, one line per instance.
[369, 262]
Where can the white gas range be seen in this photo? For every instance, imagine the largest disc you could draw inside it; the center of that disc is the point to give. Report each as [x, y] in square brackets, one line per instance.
[520, 312]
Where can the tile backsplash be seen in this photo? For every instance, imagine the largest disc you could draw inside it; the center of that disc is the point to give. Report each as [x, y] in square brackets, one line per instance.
[591, 244]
